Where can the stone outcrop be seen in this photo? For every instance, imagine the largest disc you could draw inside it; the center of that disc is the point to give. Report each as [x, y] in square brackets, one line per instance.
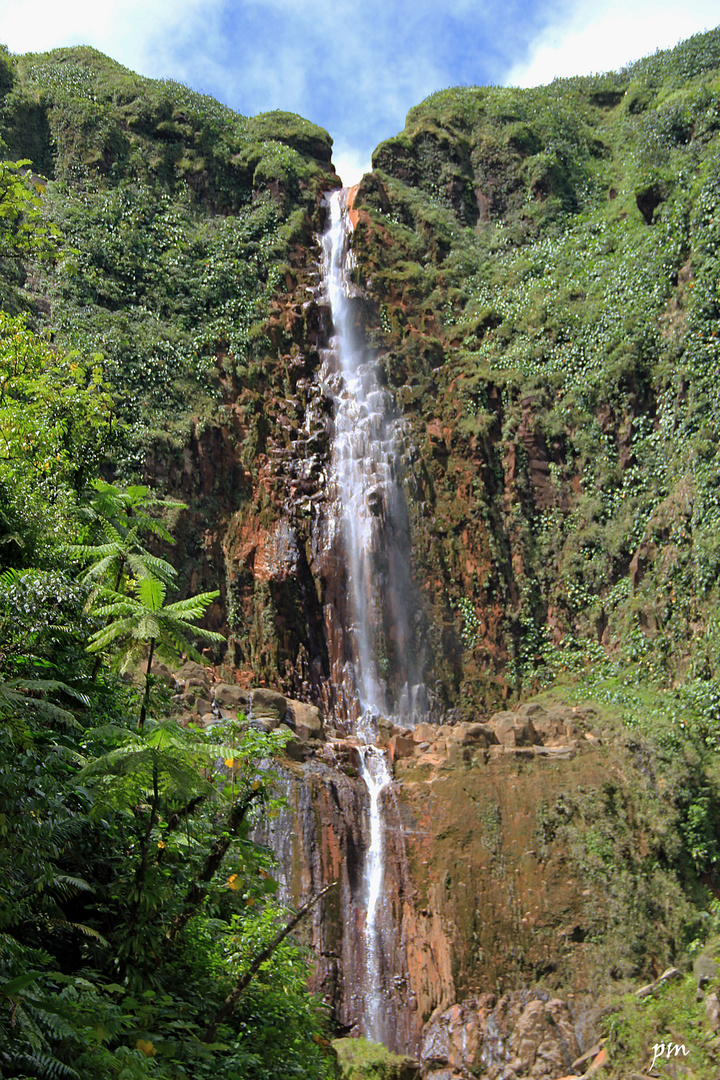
[526, 1034]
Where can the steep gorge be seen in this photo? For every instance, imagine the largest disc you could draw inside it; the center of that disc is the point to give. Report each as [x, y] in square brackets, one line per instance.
[536, 281]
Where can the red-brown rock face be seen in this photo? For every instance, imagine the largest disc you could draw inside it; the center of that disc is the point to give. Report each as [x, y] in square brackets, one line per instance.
[480, 895]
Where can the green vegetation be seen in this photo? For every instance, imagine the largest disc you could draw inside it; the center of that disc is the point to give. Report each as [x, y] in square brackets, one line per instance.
[133, 898]
[544, 267]
[140, 934]
[363, 1060]
[635, 1026]
[542, 281]
[174, 218]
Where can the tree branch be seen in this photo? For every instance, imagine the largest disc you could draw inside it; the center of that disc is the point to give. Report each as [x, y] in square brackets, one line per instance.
[256, 963]
[198, 889]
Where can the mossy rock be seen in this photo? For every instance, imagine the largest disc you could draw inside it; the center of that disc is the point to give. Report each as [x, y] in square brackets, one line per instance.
[363, 1060]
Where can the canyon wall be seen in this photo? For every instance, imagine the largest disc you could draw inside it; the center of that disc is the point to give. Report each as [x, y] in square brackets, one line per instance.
[537, 277]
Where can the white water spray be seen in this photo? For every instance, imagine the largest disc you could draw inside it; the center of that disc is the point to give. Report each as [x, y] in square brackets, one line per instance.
[369, 512]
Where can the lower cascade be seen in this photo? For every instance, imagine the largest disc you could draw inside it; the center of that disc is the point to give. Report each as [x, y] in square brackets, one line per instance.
[376, 775]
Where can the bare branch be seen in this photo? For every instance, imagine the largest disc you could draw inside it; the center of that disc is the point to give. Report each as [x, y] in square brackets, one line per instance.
[256, 963]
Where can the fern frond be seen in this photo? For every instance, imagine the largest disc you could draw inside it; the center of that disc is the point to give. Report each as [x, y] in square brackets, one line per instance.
[42, 1066]
[62, 926]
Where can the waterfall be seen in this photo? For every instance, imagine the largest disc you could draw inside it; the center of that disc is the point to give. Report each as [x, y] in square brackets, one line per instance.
[368, 616]
[376, 775]
[374, 666]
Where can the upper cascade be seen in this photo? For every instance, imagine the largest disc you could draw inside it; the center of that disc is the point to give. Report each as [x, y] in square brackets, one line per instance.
[372, 652]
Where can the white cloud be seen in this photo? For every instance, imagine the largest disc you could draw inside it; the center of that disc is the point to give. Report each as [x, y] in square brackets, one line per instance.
[350, 163]
[134, 32]
[604, 37]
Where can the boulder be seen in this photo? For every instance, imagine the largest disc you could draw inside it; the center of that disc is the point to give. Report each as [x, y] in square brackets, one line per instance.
[712, 1010]
[526, 1034]
[192, 674]
[262, 723]
[399, 746]
[163, 673]
[531, 709]
[228, 696]
[513, 730]
[477, 735]
[294, 749]
[305, 719]
[268, 704]
[425, 732]
[203, 706]
[385, 731]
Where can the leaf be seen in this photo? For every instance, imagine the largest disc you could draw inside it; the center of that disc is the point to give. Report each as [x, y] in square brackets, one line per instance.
[151, 592]
[20, 983]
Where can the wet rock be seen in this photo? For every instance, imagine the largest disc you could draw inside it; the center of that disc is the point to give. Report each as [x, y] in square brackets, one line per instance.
[385, 731]
[294, 749]
[526, 1034]
[261, 723]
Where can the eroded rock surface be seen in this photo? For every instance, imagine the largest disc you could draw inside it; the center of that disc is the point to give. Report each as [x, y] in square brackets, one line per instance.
[526, 1034]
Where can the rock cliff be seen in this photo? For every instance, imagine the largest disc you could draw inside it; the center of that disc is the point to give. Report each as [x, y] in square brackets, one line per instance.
[537, 276]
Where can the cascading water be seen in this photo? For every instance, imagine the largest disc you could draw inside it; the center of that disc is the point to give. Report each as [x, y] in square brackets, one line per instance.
[370, 640]
[374, 667]
[376, 775]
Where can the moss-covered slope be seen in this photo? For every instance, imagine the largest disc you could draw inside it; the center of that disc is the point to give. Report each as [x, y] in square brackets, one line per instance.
[179, 220]
[542, 267]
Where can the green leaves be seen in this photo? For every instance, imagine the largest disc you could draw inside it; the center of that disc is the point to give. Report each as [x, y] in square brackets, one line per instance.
[23, 230]
[55, 408]
[144, 617]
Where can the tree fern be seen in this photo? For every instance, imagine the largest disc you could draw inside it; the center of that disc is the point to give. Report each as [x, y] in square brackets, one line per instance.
[145, 619]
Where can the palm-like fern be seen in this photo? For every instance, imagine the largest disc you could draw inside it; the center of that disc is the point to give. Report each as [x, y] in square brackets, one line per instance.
[117, 520]
[144, 619]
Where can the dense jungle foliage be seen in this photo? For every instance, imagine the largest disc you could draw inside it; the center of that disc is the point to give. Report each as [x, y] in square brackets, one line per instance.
[134, 904]
[541, 269]
[545, 266]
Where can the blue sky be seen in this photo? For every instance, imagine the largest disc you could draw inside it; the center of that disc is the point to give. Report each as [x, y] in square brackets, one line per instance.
[356, 67]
